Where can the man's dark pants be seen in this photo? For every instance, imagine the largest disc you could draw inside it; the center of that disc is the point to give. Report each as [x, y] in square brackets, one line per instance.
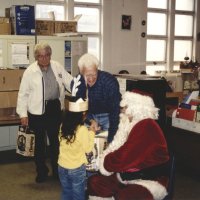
[44, 125]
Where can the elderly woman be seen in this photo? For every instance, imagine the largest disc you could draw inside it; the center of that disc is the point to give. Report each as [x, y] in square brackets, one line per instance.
[135, 163]
[40, 101]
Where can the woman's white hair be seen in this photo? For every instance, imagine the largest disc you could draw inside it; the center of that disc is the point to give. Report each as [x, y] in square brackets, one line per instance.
[87, 61]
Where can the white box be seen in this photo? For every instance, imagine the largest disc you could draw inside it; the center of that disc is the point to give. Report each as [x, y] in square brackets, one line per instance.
[185, 124]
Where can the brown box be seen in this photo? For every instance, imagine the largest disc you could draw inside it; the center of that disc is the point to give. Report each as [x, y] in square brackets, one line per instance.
[65, 26]
[8, 99]
[10, 79]
[5, 26]
[44, 27]
[7, 12]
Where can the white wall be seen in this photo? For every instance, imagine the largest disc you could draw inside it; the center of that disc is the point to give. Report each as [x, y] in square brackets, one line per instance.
[123, 49]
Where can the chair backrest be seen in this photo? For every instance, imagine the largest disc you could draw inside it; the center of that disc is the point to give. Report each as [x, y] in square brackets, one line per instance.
[170, 188]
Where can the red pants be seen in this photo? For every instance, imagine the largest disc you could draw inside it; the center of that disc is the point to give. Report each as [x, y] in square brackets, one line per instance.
[108, 186]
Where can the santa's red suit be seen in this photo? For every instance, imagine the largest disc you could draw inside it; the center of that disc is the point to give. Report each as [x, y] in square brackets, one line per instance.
[135, 162]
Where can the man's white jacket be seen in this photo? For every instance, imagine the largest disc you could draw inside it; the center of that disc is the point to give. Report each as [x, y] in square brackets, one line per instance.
[32, 89]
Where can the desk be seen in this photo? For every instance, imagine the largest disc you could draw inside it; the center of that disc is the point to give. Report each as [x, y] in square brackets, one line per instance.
[186, 147]
[9, 122]
[178, 95]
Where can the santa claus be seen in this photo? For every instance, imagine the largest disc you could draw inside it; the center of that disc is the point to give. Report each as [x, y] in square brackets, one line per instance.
[135, 163]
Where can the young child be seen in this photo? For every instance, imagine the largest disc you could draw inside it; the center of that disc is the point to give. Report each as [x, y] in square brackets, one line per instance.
[75, 141]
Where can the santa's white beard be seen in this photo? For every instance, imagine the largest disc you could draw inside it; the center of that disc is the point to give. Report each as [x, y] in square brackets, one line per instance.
[123, 131]
[120, 138]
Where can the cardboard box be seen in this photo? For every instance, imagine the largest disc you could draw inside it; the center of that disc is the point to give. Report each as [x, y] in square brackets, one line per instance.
[44, 27]
[23, 19]
[8, 99]
[7, 12]
[10, 79]
[5, 26]
[65, 26]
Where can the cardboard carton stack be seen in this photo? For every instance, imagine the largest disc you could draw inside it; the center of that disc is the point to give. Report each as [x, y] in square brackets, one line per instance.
[9, 86]
[50, 27]
[44, 27]
[65, 26]
[20, 20]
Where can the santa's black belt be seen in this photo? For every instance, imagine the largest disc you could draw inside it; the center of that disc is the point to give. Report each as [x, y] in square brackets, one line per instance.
[147, 173]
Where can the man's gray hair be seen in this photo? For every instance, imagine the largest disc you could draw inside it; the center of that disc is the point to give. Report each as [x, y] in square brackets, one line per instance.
[87, 61]
[42, 46]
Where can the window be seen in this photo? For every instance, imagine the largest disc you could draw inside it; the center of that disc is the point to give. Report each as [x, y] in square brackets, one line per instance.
[170, 25]
[43, 11]
[89, 23]
[156, 23]
[88, 1]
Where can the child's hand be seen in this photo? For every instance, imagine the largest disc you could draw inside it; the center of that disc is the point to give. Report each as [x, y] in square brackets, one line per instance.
[94, 126]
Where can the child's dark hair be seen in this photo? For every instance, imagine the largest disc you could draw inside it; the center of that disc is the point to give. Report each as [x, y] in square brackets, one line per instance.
[70, 122]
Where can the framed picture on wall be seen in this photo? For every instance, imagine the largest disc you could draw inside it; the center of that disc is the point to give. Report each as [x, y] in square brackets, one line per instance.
[126, 22]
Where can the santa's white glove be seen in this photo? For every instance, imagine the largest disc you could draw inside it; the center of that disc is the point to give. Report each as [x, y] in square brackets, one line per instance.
[76, 84]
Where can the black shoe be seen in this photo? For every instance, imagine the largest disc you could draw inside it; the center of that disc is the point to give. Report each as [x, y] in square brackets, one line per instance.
[41, 178]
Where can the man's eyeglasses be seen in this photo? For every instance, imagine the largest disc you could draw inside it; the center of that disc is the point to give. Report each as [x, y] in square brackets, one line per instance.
[43, 56]
[91, 75]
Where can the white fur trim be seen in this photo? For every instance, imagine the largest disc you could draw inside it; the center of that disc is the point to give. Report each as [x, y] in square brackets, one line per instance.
[120, 138]
[100, 198]
[157, 190]
[101, 166]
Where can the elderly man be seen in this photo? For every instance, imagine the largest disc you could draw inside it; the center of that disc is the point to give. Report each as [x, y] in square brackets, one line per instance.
[135, 163]
[104, 96]
[40, 101]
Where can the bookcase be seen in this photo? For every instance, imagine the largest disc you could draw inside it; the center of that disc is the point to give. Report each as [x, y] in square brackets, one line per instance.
[74, 48]
[17, 51]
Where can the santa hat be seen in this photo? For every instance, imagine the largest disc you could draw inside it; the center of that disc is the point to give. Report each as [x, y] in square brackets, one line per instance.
[78, 101]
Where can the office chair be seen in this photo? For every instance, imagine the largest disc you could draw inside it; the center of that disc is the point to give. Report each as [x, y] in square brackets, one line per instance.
[170, 188]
